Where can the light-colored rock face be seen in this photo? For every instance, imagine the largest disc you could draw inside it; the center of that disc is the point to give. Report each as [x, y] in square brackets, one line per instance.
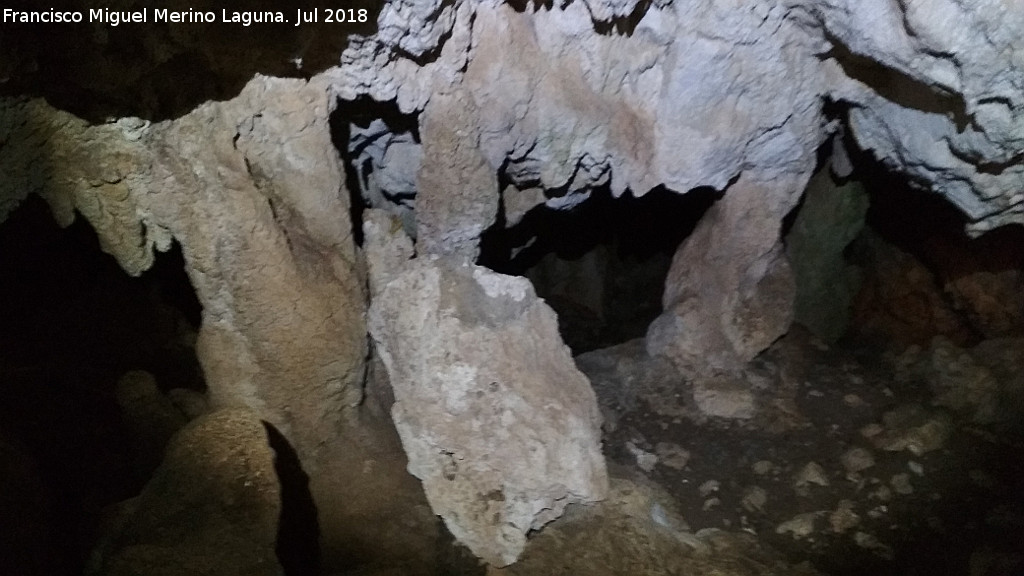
[543, 99]
[938, 92]
[549, 103]
[498, 423]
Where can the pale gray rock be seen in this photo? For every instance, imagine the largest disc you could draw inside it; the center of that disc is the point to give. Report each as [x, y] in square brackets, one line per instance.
[386, 248]
[498, 423]
[938, 93]
[539, 95]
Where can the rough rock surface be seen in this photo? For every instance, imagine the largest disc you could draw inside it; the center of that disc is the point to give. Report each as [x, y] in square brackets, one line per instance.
[252, 189]
[729, 292]
[498, 424]
[900, 300]
[211, 508]
[638, 531]
[537, 97]
[938, 93]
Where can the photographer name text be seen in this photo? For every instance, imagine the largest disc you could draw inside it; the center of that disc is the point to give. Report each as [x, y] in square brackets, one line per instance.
[190, 16]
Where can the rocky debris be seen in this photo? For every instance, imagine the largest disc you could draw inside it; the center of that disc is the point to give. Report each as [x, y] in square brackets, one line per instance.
[913, 428]
[843, 518]
[623, 376]
[645, 460]
[212, 506]
[724, 396]
[857, 460]
[672, 455]
[831, 216]
[800, 526]
[811, 473]
[754, 499]
[960, 382]
[498, 423]
[872, 470]
[636, 530]
[900, 301]
[901, 484]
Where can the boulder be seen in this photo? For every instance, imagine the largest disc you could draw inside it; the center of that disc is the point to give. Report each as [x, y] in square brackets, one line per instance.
[498, 423]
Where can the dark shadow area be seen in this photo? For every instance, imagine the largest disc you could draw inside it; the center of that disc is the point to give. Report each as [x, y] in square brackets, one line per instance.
[71, 323]
[375, 122]
[923, 277]
[625, 25]
[298, 532]
[972, 285]
[602, 264]
[159, 69]
[897, 87]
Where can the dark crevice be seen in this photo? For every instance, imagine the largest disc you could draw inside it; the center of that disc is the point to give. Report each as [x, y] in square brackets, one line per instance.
[531, 6]
[362, 113]
[623, 25]
[72, 322]
[602, 264]
[898, 87]
[298, 532]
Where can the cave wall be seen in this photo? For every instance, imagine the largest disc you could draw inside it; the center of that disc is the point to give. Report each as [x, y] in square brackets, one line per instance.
[520, 104]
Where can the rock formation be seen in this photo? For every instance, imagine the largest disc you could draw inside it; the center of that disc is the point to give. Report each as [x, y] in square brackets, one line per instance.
[252, 190]
[515, 104]
[498, 423]
[211, 508]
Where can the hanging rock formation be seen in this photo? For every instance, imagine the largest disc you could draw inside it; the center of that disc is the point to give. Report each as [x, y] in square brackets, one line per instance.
[498, 423]
[517, 105]
[253, 191]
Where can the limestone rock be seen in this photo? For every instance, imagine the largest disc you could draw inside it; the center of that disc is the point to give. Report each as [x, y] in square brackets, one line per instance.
[150, 415]
[385, 246]
[729, 293]
[932, 97]
[497, 422]
[537, 96]
[212, 506]
[900, 300]
[253, 190]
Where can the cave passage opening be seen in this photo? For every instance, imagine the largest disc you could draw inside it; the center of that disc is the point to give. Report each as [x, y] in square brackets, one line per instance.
[72, 323]
[380, 149]
[600, 265]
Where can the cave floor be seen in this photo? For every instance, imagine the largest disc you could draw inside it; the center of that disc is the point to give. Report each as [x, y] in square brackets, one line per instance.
[843, 463]
[847, 465]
